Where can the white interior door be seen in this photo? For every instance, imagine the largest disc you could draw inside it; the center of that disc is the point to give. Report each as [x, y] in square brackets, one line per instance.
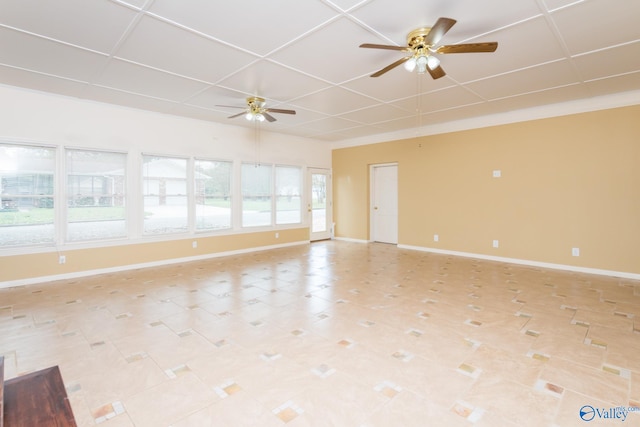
[319, 203]
[384, 203]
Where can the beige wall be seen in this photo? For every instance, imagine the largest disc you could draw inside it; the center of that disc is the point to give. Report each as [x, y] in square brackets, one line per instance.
[570, 181]
[78, 261]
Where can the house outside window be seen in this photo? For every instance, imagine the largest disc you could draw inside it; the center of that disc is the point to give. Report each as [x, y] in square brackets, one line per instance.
[96, 183]
[256, 195]
[288, 195]
[164, 181]
[212, 184]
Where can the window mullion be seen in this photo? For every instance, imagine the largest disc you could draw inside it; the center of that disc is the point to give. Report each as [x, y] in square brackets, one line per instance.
[60, 210]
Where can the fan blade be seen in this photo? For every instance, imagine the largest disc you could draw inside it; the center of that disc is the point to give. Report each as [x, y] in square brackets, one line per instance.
[437, 72]
[468, 48]
[438, 30]
[268, 116]
[230, 106]
[278, 110]
[390, 66]
[236, 115]
[383, 46]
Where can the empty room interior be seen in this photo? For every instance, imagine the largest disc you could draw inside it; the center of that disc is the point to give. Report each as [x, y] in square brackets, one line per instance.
[320, 213]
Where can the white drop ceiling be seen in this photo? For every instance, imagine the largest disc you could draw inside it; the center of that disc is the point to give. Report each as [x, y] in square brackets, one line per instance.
[185, 57]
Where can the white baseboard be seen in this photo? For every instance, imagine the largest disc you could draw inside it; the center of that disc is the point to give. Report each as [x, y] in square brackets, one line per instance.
[622, 274]
[74, 275]
[34, 280]
[348, 239]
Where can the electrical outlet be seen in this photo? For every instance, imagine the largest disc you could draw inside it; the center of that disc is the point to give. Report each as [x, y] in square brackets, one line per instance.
[496, 243]
[277, 235]
[62, 259]
[575, 251]
[194, 244]
[436, 237]
[497, 173]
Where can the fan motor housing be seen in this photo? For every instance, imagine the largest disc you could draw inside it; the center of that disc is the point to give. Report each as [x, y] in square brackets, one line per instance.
[415, 39]
[255, 104]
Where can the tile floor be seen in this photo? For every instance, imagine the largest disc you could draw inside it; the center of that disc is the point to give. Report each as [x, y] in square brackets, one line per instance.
[334, 334]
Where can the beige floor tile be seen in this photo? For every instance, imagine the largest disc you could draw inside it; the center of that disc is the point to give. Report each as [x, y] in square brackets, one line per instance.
[237, 411]
[592, 382]
[501, 364]
[521, 405]
[168, 402]
[573, 348]
[410, 410]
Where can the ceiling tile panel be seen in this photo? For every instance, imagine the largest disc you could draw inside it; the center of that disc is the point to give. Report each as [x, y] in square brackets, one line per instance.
[216, 95]
[458, 113]
[439, 100]
[617, 84]
[552, 5]
[541, 77]
[96, 24]
[397, 83]
[334, 100]
[45, 56]
[303, 117]
[378, 113]
[266, 78]
[41, 82]
[395, 20]
[195, 112]
[329, 52]
[596, 24]
[254, 25]
[128, 99]
[609, 62]
[134, 78]
[404, 124]
[536, 99]
[346, 5]
[510, 55]
[164, 46]
[135, 3]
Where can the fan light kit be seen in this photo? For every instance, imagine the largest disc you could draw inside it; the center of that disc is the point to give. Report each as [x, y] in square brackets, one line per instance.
[255, 105]
[422, 57]
[421, 45]
[256, 111]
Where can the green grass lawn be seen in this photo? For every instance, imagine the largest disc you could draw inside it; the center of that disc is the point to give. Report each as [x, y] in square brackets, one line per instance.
[45, 215]
[106, 213]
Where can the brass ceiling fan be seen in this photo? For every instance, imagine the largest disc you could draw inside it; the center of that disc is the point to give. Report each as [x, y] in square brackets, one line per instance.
[255, 110]
[422, 45]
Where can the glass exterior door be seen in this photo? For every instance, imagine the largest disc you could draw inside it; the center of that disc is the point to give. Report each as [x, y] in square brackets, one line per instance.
[319, 204]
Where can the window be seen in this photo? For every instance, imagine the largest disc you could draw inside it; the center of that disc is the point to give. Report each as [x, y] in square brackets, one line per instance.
[288, 195]
[164, 182]
[256, 195]
[95, 195]
[212, 184]
[27, 194]
[83, 198]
